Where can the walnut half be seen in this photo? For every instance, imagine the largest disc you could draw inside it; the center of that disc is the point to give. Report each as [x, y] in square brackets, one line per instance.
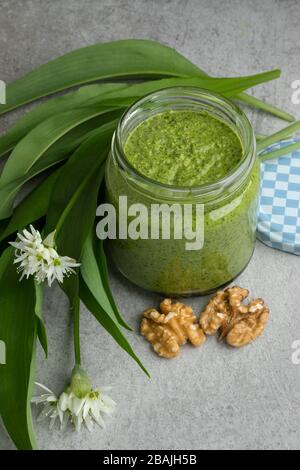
[170, 329]
[250, 326]
[222, 309]
[237, 322]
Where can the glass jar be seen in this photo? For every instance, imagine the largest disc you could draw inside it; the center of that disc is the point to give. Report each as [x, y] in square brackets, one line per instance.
[230, 205]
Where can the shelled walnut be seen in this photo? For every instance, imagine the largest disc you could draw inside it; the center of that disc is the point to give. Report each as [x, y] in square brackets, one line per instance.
[170, 329]
[239, 323]
[250, 325]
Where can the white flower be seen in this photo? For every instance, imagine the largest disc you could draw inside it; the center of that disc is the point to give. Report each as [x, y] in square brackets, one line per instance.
[51, 409]
[59, 267]
[39, 258]
[29, 252]
[80, 408]
[30, 240]
[88, 410]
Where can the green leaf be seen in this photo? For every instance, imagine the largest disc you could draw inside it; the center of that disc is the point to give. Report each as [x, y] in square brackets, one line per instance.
[20, 169]
[117, 59]
[104, 319]
[41, 328]
[35, 144]
[268, 108]
[30, 149]
[73, 204]
[284, 133]
[80, 211]
[33, 207]
[3, 224]
[257, 103]
[5, 259]
[95, 275]
[114, 60]
[72, 100]
[99, 251]
[18, 331]
[7, 196]
[279, 152]
[74, 200]
[72, 212]
[65, 146]
[225, 86]
[259, 136]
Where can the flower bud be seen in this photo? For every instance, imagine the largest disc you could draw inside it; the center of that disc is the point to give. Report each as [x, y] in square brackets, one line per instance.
[80, 383]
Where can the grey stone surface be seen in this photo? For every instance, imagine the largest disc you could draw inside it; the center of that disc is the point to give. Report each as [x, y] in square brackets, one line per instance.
[215, 397]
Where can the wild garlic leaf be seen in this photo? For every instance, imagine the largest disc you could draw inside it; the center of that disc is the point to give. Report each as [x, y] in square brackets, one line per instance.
[94, 272]
[40, 139]
[18, 330]
[74, 198]
[284, 133]
[276, 153]
[84, 96]
[129, 58]
[105, 320]
[26, 160]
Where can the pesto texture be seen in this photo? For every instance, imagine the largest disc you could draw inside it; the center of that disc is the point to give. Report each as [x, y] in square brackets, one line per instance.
[183, 148]
[165, 266]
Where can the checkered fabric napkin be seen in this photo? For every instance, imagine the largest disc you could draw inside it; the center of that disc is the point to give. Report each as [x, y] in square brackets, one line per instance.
[279, 210]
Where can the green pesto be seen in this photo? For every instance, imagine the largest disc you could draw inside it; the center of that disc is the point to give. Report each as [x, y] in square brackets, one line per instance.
[184, 148]
[164, 265]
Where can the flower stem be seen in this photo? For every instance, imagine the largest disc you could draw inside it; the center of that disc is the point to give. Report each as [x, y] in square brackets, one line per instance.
[76, 333]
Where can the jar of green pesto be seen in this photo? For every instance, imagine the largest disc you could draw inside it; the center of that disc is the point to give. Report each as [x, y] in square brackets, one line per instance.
[185, 146]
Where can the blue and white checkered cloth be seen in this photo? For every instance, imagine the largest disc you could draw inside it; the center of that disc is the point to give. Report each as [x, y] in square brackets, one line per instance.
[279, 210]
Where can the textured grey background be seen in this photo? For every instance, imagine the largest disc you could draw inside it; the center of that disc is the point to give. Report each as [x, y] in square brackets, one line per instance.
[215, 397]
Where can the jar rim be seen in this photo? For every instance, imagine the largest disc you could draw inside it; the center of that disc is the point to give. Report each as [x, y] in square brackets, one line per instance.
[197, 95]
